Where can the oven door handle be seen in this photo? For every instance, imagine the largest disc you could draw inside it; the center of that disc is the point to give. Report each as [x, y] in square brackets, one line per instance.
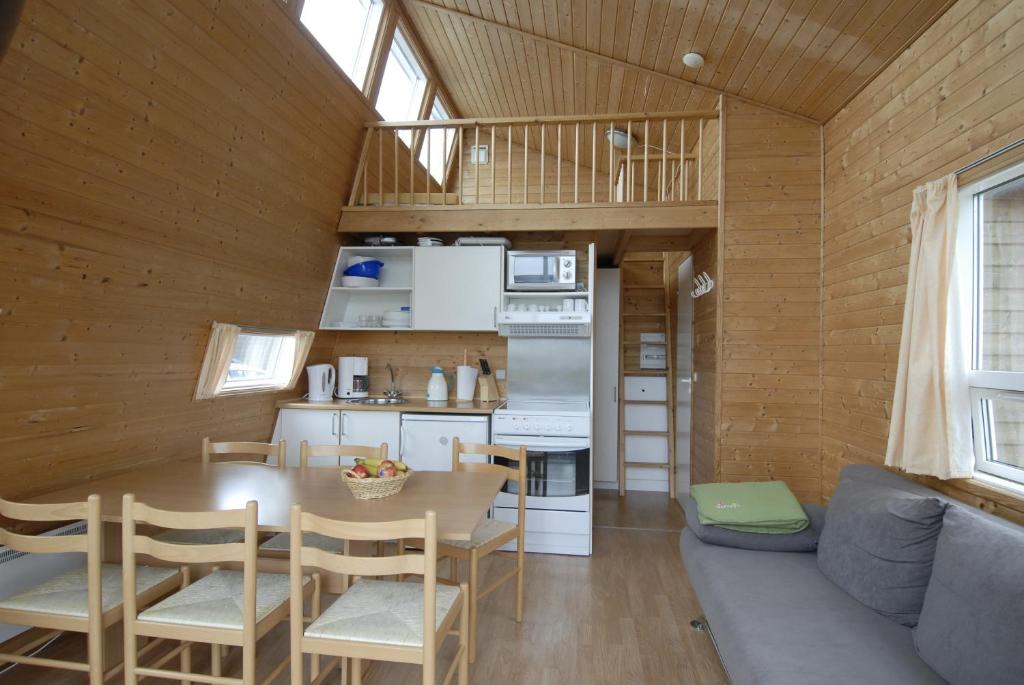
[547, 444]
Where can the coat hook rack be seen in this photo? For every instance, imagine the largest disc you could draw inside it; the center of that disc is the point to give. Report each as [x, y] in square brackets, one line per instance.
[703, 284]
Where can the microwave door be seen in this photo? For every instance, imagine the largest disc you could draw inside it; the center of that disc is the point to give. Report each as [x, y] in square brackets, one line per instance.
[533, 270]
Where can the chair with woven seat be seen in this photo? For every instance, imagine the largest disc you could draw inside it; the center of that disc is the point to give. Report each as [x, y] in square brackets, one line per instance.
[377, 619]
[325, 456]
[491, 533]
[226, 607]
[85, 600]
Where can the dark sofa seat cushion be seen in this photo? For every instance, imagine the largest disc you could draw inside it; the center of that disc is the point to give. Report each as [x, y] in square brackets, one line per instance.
[777, 620]
[972, 625]
[804, 541]
[878, 545]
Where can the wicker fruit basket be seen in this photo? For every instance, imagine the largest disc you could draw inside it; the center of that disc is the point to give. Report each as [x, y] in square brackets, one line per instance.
[375, 488]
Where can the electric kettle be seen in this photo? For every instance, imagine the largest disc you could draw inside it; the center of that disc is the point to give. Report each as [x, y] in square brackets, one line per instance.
[321, 382]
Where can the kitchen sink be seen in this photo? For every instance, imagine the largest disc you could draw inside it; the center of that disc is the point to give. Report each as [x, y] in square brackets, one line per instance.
[377, 401]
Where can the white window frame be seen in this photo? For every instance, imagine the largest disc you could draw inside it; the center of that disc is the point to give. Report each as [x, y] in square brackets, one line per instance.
[402, 50]
[372, 24]
[221, 348]
[984, 385]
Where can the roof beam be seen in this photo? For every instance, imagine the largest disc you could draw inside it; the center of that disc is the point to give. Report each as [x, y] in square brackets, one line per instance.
[596, 56]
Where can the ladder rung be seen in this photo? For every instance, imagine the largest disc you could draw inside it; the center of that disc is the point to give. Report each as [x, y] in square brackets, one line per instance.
[633, 344]
[646, 465]
[645, 316]
[646, 373]
[645, 401]
[659, 434]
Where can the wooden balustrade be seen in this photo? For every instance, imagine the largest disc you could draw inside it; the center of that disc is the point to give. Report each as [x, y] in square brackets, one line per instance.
[555, 161]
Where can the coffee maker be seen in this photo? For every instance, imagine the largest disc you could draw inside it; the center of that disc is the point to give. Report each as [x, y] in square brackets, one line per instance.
[353, 377]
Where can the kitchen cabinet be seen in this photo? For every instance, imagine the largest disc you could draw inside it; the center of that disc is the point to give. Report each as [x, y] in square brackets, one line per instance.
[334, 427]
[457, 288]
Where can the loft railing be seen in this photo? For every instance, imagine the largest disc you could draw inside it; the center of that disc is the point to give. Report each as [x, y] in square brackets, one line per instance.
[538, 161]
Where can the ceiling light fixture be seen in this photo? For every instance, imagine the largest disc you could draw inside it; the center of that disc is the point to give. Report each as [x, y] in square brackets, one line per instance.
[619, 138]
[694, 60]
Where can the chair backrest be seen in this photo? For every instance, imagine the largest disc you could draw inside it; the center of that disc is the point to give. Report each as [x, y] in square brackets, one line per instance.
[262, 449]
[423, 564]
[91, 543]
[508, 454]
[244, 552]
[339, 452]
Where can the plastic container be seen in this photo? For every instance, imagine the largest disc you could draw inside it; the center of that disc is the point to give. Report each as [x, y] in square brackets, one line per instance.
[437, 386]
[368, 269]
[465, 383]
[359, 282]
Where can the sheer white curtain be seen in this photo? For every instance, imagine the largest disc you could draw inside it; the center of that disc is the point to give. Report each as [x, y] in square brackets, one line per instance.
[930, 432]
[303, 343]
[223, 338]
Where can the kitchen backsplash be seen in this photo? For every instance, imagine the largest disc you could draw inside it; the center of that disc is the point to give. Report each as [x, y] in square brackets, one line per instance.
[411, 354]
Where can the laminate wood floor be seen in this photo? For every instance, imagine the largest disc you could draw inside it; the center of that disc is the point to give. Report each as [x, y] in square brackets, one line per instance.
[621, 616]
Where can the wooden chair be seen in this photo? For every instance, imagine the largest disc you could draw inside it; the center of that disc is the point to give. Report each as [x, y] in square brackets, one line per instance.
[491, 533]
[278, 450]
[279, 545]
[226, 607]
[83, 600]
[356, 626]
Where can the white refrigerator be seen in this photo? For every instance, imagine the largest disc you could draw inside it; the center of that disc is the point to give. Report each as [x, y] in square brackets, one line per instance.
[426, 440]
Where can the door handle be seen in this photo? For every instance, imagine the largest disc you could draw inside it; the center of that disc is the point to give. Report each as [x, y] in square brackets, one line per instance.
[615, 394]
[334, 424]
[344, 423]
[401, 443]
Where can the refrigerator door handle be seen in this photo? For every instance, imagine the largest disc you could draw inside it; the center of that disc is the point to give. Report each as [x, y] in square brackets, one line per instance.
[401, 442]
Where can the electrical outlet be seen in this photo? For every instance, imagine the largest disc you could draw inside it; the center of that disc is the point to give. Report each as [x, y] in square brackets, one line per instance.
[499, 374]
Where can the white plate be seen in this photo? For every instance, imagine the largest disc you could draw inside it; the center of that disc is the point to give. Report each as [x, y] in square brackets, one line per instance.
[359, 282]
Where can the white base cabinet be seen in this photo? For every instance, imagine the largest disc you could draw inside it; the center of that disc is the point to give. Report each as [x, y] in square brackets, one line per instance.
[335, 427]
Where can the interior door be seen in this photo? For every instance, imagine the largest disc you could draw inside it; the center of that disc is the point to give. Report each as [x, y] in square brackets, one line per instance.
[318, 426]
[457, 288]
[606, 379]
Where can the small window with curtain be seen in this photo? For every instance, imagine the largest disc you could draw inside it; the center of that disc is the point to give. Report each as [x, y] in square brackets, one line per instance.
[992, 217]
[242, 360]
[347, 30]
[403, 85]
[436, 149]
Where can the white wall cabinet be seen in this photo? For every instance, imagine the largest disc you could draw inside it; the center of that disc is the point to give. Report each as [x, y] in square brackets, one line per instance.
[334, 427]
[457, 288]
[447, 288]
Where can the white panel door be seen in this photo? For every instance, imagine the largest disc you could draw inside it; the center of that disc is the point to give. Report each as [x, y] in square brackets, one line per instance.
[371, 428]
[318, 426]
[606, 378]
[456, 288]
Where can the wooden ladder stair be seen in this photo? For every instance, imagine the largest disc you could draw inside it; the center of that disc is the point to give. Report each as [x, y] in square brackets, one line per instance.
[645, 280]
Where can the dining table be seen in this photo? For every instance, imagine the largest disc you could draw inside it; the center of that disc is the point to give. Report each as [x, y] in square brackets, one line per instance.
[461, 500]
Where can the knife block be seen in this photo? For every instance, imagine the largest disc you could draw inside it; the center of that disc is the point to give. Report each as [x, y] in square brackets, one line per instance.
[488, 389]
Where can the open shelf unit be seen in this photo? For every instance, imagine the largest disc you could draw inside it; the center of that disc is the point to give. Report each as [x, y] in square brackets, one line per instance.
[345, 304]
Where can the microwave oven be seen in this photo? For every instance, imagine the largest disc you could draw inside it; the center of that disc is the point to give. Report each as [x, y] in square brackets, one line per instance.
[541, 270]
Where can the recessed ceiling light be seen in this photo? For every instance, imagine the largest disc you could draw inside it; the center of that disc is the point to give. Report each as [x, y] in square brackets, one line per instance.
[693, 60]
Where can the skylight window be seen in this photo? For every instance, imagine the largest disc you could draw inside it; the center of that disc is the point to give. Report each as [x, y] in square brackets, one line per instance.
[437, 147]
[346, 29]
[251, 360]
[403, 86]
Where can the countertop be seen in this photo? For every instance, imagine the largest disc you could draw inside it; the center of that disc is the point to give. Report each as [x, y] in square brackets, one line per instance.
[415, 405]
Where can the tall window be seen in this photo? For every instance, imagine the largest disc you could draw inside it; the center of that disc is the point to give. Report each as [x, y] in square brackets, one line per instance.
[346, 29]
[437, 147]
[403, 86]
[992, 211]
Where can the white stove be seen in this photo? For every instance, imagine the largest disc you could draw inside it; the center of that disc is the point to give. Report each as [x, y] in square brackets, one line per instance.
[556, 435]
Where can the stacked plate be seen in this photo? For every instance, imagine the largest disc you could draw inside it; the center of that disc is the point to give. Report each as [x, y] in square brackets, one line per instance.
[429, 241]
[398, 318]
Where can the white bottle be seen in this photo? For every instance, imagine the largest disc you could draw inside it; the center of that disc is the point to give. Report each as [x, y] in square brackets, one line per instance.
[437, 387]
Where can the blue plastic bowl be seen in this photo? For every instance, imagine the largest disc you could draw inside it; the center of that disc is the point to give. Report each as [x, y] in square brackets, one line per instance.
[369, 269]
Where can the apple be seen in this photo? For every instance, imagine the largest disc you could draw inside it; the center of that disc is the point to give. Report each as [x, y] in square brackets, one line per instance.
[359, 471]
[386, 469]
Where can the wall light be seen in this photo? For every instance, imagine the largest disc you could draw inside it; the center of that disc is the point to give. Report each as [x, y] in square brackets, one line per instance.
[693, 60]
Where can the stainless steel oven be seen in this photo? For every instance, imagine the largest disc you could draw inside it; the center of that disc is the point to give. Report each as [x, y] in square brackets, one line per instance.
[557, 473]
[541, 270]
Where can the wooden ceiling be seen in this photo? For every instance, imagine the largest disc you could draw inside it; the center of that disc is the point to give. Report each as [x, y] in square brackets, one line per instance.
[546, 57]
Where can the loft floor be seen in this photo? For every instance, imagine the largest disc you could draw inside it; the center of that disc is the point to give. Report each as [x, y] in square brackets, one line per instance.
[619, 617]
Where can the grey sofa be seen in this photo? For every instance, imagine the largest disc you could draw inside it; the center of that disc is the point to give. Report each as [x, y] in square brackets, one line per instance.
[776, 618]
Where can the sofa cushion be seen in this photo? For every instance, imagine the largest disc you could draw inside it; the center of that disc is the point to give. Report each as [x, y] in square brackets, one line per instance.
[777, 620]
[804, 541]
[972, 622]
[878, 545]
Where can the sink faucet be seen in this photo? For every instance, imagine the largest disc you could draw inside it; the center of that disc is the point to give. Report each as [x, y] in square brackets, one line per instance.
[393, 392]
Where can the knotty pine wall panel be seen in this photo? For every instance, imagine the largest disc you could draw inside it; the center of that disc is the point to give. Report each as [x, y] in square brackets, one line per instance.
[951, 98]
[770, 363]
[167, 163]
[705, 466]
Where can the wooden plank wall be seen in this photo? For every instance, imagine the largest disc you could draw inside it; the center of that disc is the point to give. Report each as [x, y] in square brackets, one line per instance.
[952, 97]
[770, 375]
[167, 163]
[704, 448]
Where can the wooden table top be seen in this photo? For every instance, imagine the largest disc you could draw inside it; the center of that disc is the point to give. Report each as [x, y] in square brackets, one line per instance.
[461, 500]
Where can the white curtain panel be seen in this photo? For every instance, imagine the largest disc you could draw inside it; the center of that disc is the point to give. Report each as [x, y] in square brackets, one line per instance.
[930, 432]
[218, 358]
[303, 343]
